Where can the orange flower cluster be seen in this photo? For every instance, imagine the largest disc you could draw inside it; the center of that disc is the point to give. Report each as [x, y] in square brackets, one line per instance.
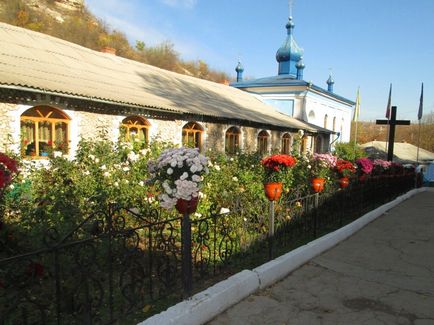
[345, 167]
[277, 162]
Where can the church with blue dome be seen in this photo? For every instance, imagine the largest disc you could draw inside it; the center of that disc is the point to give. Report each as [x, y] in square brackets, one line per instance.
[300, 99]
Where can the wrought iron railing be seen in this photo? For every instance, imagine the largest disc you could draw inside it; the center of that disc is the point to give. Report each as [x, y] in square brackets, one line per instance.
[118, 266]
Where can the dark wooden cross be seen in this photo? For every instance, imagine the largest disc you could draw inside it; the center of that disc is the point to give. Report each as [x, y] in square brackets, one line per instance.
[393, 122]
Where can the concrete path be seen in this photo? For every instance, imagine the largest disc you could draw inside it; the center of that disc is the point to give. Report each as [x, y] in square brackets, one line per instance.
[384, 274]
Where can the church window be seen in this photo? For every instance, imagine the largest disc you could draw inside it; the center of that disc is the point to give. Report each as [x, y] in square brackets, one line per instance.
[192, 135]
[286, 144]
[311, 116]
[44, 129]
[135, 127]
[334, 123]
[263, 142]
[232, 140]
[318, 144]
[325, 121]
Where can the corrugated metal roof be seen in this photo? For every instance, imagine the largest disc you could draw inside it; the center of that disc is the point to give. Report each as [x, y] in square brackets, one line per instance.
[404, 151]
[40, 62]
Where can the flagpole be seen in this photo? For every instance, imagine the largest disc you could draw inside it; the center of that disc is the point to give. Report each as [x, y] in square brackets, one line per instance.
[419, 117]
[389, 104]
[356, 117]
[418, 146]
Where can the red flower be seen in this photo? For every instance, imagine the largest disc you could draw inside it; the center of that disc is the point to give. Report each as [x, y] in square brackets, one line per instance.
[275, 162]
[35, 269]
[345, 167]
[10, 163]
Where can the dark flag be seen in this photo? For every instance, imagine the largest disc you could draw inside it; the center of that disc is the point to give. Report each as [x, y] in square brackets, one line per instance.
[419, 114]
[389, 103]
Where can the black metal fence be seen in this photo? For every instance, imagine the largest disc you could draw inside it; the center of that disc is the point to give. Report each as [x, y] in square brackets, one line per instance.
[119, 266]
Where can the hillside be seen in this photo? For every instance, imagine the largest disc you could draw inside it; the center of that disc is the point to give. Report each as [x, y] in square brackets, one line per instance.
[369, 131]
[72, 21]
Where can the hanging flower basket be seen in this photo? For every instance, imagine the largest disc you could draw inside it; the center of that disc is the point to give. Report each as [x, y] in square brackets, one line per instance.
[318, 184]
[187, 206]
[273, 191]
[344, 182]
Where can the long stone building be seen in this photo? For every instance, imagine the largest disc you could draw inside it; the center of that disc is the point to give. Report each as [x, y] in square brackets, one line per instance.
[53, 92]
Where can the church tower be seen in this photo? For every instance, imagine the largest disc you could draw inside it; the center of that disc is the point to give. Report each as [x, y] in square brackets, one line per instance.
[289, 54]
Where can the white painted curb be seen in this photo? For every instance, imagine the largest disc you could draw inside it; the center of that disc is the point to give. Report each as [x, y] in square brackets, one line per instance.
[209, 303]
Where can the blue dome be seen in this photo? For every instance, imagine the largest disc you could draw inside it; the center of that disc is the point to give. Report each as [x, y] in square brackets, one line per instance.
[330, 80]
[300, 64]
[289, 53]
[239, 67]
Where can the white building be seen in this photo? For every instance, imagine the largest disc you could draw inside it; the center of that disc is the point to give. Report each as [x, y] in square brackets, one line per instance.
[290, 94]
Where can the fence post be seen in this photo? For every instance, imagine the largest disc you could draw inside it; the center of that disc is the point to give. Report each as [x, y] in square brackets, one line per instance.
[315, 215]
[271, 230]
[187, 273]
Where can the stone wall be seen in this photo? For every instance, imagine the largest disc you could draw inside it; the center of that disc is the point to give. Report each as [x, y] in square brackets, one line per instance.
[90, 125]
[7, 122]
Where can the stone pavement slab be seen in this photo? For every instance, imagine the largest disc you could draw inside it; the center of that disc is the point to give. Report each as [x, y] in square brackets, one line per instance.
[384, 274]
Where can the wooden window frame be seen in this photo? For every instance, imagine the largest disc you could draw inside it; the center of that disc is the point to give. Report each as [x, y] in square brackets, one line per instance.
[286, 144]
[232, 140]
[41, 118]
[135, 122]
[195, 130]
[262, 139]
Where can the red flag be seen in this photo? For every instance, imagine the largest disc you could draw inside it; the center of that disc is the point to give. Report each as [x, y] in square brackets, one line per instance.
[389, 103]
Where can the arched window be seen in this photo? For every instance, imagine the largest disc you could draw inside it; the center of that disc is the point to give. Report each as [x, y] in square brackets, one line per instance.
[43, 129]
[286, 144]
[325, 121]
[232, 140]
[135, 127]
[318, 144]
[342, 129]
[263, 142]
[311, 116]
[192, 135]
[334, 123]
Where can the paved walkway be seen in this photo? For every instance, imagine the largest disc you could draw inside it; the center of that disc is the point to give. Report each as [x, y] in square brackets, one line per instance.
[384, 274]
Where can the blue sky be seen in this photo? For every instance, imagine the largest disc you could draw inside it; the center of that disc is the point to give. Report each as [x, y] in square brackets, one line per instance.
[369, 43]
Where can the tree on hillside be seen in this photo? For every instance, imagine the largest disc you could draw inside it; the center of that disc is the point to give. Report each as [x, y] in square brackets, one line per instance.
[82, 28]
[369, 131]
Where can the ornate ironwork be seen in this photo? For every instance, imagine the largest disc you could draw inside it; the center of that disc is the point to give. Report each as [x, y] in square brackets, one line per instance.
[117, 263]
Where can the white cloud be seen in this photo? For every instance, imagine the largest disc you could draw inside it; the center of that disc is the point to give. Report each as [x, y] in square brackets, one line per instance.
[181, 3]
[148, 34]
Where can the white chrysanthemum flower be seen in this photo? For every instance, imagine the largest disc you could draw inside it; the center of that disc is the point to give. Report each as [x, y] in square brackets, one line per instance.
[217, 167]
[106, 174]
[235, 179]
[169, 171]
[141, 183]
[132, 156]
[224, 210]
